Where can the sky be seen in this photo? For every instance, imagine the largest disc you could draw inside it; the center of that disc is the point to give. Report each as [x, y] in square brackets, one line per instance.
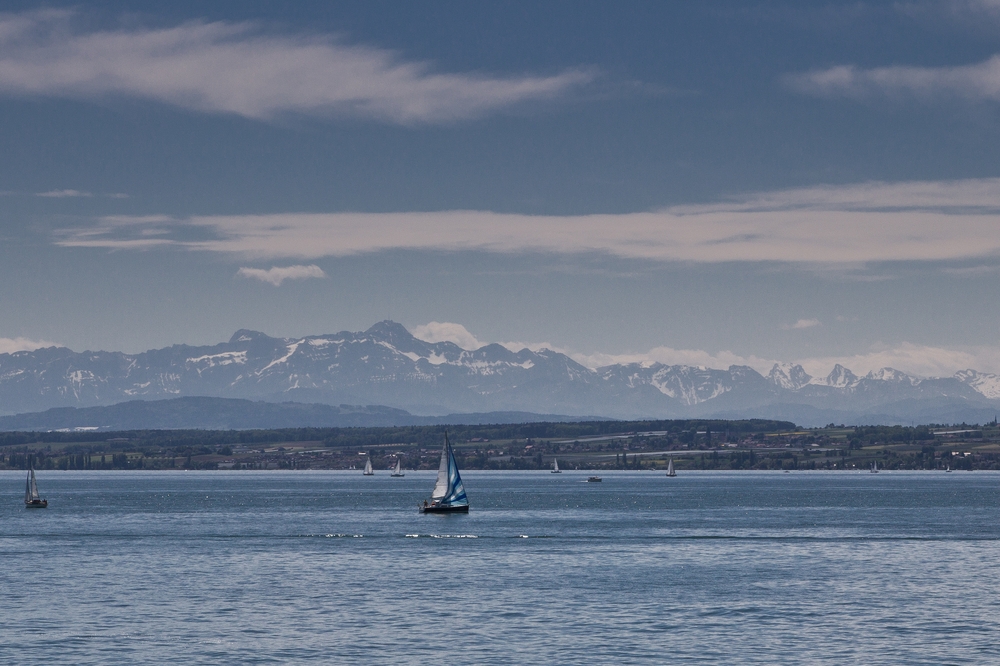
[705, 183]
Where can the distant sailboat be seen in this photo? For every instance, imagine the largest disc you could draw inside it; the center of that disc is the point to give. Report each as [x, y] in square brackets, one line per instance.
[368, 468]
[555, 467]
[31, 498]
[449, 491]
[399, 468]
[670, 468]
[874, 467]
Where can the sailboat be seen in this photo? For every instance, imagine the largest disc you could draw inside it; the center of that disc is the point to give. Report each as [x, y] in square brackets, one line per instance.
[449, 492]
[368, 468]
[875, 467]
[670, 468]
[31, 498]
[555, 467]
[399, 468]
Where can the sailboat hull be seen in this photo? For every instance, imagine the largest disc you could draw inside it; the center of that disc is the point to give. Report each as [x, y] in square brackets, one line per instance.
[36, 504]
[444, 509]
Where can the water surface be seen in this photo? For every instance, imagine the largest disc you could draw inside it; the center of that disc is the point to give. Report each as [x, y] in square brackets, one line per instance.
[334, 567]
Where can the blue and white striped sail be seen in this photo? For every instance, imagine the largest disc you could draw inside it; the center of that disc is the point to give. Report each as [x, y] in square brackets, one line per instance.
[449, 490]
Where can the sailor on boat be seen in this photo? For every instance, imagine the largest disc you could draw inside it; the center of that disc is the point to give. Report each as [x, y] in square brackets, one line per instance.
[449, 491]
[31, 497]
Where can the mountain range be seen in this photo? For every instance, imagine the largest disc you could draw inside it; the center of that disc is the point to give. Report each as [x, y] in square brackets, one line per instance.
[387, 366]
[203, 413]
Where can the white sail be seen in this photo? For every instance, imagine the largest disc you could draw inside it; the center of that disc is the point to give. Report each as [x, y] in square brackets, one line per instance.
[441, 486]
[449, 489]
[368, 467]
[555, 466]
[399, 468]
[34, 486]
[27, 488]
[670, 468]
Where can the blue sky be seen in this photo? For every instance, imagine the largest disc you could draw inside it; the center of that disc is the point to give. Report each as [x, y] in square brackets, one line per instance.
[709, 183]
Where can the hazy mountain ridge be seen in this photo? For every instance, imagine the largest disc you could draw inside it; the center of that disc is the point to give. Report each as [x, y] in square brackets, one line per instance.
[238, 414]
[386, 365]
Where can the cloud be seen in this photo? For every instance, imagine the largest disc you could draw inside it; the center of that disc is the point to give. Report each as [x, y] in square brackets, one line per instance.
[444, 331]
[238, 68]
[278, 274]
[61, 194]
[11, 345]
[970, 271]
[855, 224]
[914, 359]
[979, 81]
[800, 324]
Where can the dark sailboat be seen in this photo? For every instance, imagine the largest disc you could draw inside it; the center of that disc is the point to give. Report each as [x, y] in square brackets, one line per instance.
[31, 497]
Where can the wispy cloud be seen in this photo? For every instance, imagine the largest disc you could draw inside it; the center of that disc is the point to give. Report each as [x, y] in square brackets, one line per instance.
[978, 81]
[914, 359]
[970, 271]
[239, 68]
[800, 324]
[278, 274]
[62, 194]
[11, 345]
[871, 222]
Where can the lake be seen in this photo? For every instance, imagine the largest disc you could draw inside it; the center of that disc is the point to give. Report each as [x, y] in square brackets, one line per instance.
[333, 567]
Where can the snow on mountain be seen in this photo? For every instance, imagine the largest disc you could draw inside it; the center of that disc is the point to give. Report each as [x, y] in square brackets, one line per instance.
[788, 376]
[984, 383]
[840, 377]
[892, 375]
[386, 365]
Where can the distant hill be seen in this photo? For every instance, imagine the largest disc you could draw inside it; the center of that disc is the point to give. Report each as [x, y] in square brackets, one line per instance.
[237, 414]
[386, 365]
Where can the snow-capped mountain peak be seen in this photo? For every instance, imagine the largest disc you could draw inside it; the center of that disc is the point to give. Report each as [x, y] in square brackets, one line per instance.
[788, 376]
[892, 375]
[840, 377]
[985, 383]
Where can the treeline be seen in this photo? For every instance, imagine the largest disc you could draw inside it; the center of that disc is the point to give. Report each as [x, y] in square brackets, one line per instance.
[45, 460]
[158, 440]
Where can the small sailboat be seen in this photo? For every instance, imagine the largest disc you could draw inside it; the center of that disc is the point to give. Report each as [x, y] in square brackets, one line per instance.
[555, 467]
[449, 491]
[368, 468]
[947, 468]
[874, 467]
[31, 497]
[670, 468]
[398, 471]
